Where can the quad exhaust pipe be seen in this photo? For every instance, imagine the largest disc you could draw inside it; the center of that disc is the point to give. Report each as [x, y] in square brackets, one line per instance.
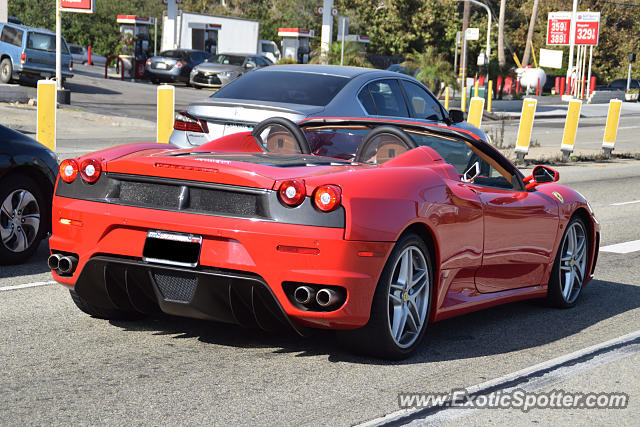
[62, 264]
[304, 294]
[327, 297]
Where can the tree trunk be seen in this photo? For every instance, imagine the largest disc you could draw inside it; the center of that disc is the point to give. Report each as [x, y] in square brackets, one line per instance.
[532, 24]
[501, 59]
[466, 17]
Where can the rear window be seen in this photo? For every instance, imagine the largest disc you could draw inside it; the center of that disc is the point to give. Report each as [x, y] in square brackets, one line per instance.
[47, 42]
[172, 54]
[284, 86]
[12, 36]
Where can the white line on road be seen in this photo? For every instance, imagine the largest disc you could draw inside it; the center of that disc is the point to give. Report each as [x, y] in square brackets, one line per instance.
[404, 416]
[622, 248]
[625, 203]
[27, 285]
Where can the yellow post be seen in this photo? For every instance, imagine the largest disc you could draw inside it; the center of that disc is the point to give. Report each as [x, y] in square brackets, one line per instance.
[490, 95]
[165, 112]
[525, 127]
[46, 120]
[475, 88]
[463, 100]
[446, 98]
[611, 130]
[571, 126]
[475, 111]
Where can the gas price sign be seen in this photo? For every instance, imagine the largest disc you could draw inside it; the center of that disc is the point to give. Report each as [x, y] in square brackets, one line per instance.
[559, 28]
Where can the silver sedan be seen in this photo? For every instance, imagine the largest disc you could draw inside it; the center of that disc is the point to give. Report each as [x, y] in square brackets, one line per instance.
[297, 92]
[224, 68]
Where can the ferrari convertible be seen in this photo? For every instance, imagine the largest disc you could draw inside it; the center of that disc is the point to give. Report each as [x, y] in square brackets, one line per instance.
[372, 227]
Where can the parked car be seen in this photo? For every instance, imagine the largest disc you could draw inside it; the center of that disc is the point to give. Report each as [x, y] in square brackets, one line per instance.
[269, 49]
[28, 172]
[80, 55]
[223, 68]
[374, 227]
[398, 68]
[620, 85]
[301, 91]
[174, 65]
[30, 52]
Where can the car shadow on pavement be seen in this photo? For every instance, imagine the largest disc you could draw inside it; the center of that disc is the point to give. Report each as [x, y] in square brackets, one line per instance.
[497, 330]
[37, 264]
[91, 90]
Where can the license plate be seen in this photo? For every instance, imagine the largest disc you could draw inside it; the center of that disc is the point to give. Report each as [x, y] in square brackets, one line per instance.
[165, 247]
[161, 65]
[230, 128]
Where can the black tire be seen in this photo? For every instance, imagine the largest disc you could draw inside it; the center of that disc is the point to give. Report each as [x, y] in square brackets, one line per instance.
[376, 338]
[6, 71]
[558, 294]
[103, 313]
[21, 231]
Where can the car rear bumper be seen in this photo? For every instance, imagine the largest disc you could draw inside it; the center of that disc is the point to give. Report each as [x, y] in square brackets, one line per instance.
[240, 265]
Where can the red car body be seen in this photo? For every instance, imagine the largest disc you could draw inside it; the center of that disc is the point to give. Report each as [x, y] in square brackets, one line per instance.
[489, 245]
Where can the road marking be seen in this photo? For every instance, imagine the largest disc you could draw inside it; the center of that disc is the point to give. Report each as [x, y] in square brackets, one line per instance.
[27, 285]
[622, 248]
[625, 203]
[535, 373]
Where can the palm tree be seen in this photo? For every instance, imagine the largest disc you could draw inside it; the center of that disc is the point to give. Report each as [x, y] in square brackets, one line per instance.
[532, 24]
[501, 58]
[431, 68]
[353, 55]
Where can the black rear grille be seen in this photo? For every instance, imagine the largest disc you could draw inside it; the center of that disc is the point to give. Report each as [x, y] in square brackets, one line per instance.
[188, 198]
[149, 194]
[176, 287]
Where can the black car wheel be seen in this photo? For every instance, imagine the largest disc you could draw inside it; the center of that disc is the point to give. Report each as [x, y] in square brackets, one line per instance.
[6, 70]
[23, 215]
[570, 267]
[401, 304]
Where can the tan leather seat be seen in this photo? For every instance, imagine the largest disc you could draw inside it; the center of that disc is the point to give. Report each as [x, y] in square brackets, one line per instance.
[389, 147]
[281, 141]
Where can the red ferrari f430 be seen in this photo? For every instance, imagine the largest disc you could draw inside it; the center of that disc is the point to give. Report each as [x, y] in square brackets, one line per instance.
[371, 227]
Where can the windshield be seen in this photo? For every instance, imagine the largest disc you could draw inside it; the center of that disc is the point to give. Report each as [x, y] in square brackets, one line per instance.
[284, 86]
[41, 41]
[227, 59]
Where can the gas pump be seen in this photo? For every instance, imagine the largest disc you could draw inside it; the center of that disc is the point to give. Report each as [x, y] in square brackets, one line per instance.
[135, 36]
[295, 44]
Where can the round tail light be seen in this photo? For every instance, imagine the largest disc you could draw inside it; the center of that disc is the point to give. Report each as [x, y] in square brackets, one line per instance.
[292, 192]
[68, 170]
[90, 170]
[327, 197]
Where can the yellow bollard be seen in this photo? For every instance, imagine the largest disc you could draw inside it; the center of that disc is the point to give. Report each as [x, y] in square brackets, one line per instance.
[525, 127]
[463, 100]
[46, 120]
[571, 127]
[446, 98]
[165, 112]
[475, 111]
[611, 130]
[475, 89]
[489, 96]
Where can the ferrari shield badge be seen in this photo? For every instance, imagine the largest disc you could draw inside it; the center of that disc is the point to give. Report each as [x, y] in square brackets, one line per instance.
[558, 196]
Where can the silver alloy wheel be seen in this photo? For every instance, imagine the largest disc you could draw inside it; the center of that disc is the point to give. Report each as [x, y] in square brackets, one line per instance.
[573, 261]
[408, 297]
[19, 220]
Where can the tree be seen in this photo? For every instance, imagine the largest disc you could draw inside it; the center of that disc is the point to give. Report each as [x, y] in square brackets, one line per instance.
[431, 68]
[501, 59]
[353, 56]
[532, 24]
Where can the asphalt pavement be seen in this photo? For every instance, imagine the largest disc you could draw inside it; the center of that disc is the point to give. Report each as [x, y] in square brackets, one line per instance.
[60, 366]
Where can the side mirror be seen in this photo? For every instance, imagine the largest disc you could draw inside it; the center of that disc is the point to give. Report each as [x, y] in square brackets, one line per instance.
[541, 175]
[471, 173]
[456, 116]
[250, 65]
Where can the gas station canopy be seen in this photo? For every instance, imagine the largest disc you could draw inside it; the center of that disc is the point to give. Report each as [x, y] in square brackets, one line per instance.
[133, 19]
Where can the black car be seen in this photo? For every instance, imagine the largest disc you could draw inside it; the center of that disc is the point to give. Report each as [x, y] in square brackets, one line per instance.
[28, 172]
[174, 65]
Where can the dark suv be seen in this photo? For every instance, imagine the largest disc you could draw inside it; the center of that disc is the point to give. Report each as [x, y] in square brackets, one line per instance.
[30, 52]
